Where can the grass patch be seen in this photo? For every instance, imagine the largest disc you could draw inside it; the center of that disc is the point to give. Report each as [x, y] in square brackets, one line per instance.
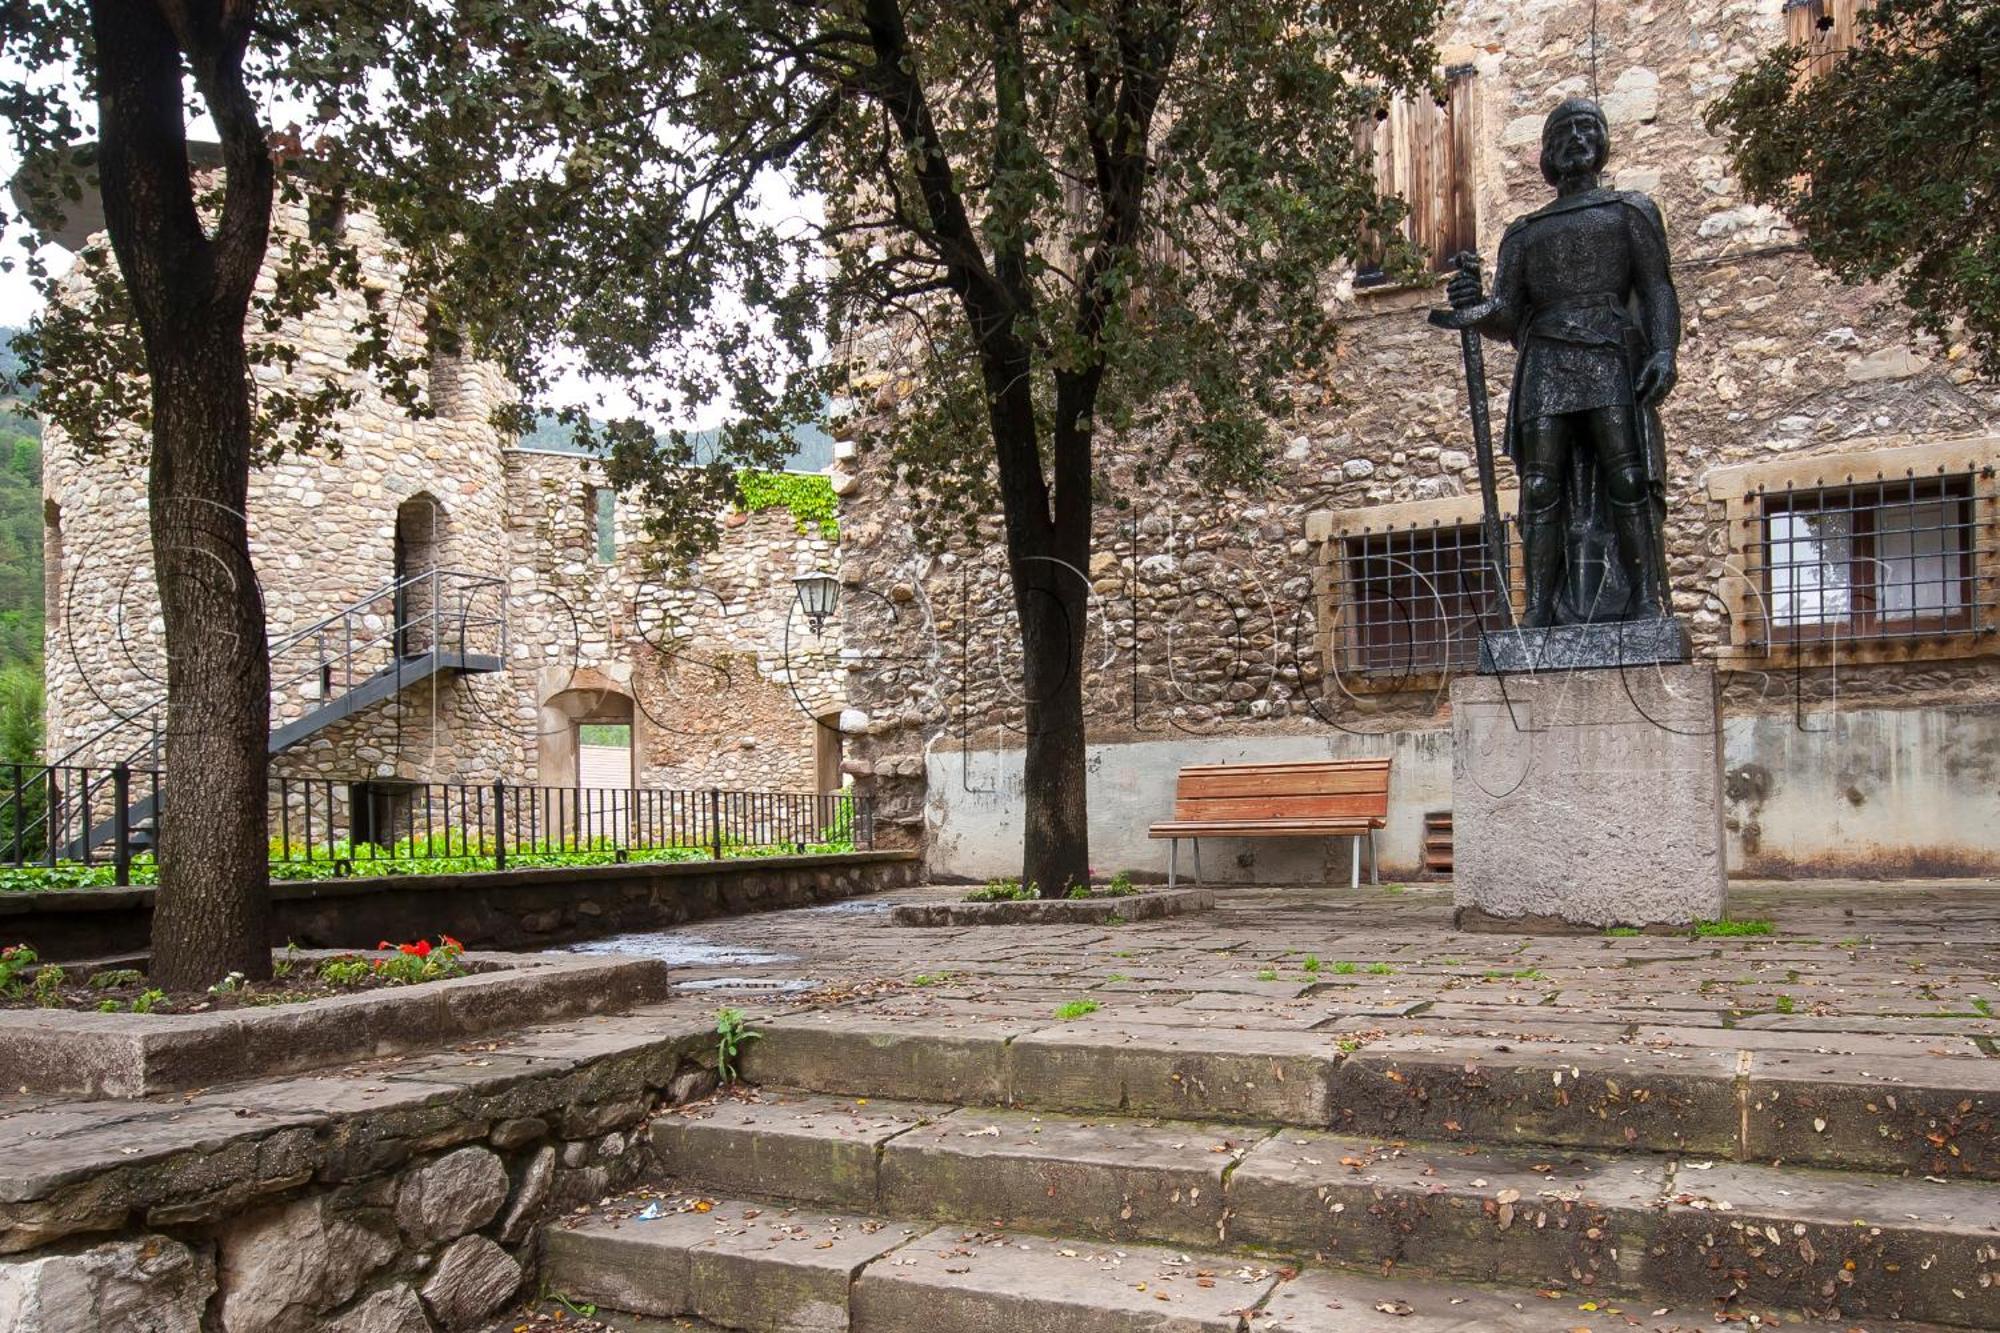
[1311, 964]
[1624, 932]
[1267, 974]
[1075, 1009]
[1003, 891]
[1379, 969]
[1728, 929]
[1345, 969]
[1524, 974]
[1787, 1005]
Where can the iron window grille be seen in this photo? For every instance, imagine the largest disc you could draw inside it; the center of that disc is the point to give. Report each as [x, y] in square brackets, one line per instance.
[1414, 601]
[1884, 560]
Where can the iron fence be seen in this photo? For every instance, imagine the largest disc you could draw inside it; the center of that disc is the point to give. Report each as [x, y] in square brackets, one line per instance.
[75, 827]
[59, 816]
[324, 826]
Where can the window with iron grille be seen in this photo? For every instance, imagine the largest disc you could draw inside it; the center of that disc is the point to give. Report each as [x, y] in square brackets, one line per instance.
[1890, 559]
[1825, 27]
[1414, 601]
[1423, 154]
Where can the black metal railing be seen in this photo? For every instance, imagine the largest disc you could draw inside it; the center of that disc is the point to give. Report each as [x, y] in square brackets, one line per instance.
[329, 827]
[76, 821]
[75, 827]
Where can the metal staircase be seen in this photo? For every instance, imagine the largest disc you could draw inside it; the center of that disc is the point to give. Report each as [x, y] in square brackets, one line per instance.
[406, 632]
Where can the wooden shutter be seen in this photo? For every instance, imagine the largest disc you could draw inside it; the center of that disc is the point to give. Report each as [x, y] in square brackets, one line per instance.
[1423, 153]
[1460, 229]
[1825, 27]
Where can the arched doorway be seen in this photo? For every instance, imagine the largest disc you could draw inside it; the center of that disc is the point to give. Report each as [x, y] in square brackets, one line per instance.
[589, 745]
[418, 556]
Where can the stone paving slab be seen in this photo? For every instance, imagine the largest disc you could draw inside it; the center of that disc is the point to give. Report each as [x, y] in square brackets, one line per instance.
[1010, 1283]
[799, 1146]
[741, 1265]
[1156, 1181]
[1869, 1246]
[1139, 1070]
[1535, 1219]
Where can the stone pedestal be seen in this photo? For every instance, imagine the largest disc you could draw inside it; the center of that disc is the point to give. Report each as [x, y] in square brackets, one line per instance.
[1587, 798]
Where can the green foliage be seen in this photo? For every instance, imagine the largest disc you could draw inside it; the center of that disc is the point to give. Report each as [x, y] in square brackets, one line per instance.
[1003, 891]
[48, 986]
[16, 961]
[1888, 162]
[807, 495]
[149, 1000]
[419, 961]
[1623, 932]
[1120, 886]
[1786, 1004]
[1267, 974]
[1524, 974]
[1345, 968]
[1727, 929]
[116, 976]
[1075, 1009]
[731, 1035]
[347, 970]
[1311, 963]
[1379, 969]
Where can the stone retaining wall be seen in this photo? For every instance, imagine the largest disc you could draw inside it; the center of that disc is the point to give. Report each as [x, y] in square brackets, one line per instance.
[504, 909]
[401, 1200]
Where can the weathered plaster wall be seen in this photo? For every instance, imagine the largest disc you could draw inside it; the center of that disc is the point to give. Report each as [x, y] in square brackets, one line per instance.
[1205, 627]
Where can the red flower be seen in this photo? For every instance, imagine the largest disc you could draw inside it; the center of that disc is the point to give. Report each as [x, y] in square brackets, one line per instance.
[451, 943]
[385, 945]
[421, 949]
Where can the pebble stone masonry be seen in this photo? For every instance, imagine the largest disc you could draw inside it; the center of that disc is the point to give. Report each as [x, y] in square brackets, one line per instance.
[1208, 636]
[701, 658]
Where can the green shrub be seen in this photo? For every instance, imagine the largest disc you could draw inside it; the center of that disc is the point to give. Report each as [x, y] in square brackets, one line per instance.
[1003, 891]
[346, 970]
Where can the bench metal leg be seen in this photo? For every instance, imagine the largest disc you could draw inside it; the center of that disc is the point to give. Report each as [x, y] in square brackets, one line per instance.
[1197, 859]
[1354, 873]
[1173, 862]
[1374, 859]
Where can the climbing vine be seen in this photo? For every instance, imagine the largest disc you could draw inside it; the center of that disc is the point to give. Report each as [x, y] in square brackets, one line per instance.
[808, 495]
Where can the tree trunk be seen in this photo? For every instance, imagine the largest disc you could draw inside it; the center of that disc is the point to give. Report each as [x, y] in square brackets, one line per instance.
[212, 913]
[1050, 598]
[191, 286]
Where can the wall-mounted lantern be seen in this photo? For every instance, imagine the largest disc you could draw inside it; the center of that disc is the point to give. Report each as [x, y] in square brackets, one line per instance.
[819, 597]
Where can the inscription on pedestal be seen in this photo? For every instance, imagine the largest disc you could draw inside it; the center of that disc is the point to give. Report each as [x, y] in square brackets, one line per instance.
[1651, 641]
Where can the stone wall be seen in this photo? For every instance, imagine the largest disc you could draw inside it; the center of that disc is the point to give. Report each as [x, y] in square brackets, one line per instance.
[699, 661]
[524, 908]
[1207, 623]
[405, 1200]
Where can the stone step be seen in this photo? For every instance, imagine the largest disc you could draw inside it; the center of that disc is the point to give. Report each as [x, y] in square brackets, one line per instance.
[1922, 1114]
[1679, 1229]
[750, 1266]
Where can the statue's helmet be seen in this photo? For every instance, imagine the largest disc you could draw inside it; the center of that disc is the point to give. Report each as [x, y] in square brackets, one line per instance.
[1567, 110]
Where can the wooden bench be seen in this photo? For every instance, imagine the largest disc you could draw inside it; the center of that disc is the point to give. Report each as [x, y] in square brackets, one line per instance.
[1332, 798]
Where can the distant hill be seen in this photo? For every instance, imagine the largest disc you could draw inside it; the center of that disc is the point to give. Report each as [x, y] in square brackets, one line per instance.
[10, 367]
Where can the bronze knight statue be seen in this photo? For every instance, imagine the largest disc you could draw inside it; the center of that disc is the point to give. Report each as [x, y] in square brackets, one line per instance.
[1584, 293]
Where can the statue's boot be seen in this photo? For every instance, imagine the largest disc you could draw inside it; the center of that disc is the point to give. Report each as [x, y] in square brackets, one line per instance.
[1541, 570]
[1634, 524]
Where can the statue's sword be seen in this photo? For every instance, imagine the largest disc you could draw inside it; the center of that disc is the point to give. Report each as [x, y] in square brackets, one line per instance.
[1482, 442]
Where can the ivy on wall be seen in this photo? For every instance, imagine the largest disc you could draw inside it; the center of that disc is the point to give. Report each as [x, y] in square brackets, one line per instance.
[808, 495]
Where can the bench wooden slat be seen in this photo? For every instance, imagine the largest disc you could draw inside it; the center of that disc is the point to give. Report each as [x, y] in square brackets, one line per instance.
[1313, 798]
[1224, 829]
[1248, 781]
